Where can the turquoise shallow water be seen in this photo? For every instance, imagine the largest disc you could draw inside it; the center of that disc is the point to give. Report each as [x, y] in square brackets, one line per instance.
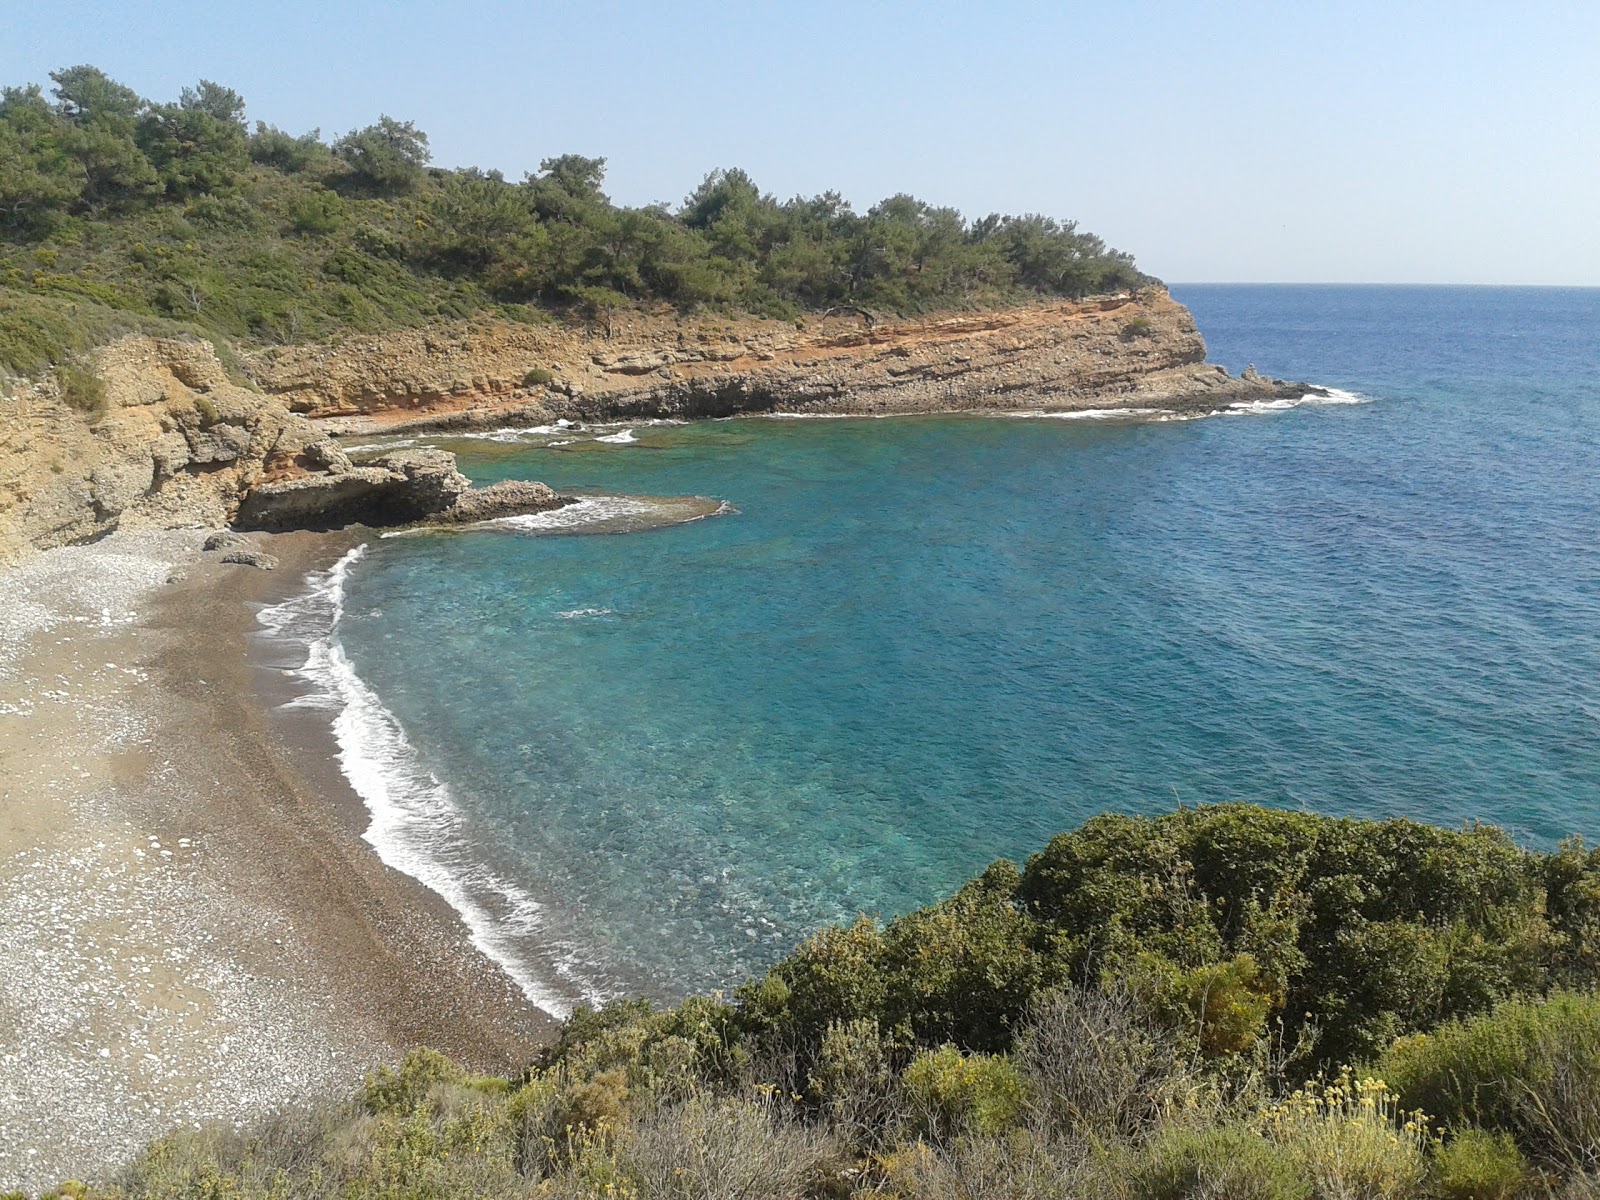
[923, 643]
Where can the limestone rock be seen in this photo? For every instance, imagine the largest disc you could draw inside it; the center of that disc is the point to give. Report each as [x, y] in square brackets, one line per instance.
[1059, 355]
[510, 498]
[395, 489]
[177, 444]
[251, 558]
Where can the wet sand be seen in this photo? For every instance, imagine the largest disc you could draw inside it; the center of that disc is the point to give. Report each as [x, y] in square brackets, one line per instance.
[191, 928]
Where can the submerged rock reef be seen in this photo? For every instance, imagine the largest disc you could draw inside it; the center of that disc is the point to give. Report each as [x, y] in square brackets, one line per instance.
[166, 438]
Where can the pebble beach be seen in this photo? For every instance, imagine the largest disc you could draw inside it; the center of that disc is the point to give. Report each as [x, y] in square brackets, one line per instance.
[191, 930]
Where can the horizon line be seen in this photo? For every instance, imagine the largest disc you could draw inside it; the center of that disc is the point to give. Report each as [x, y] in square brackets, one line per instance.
[1572, 287]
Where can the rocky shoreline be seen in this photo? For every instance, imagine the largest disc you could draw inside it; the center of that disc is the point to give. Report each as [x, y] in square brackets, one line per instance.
[1129, 351]
[174, 441]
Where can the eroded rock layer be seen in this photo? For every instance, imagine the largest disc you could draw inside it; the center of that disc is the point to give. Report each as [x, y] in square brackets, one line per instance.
[1133, 351]
[175, 442]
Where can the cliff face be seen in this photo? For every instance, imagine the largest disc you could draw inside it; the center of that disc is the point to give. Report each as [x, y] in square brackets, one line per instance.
[174, 444]
[1134, 352]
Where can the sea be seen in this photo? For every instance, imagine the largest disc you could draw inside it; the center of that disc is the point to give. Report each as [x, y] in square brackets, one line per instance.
[646, 750]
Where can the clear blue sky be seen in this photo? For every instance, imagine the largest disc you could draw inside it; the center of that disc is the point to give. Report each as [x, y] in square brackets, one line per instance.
[1449, 142]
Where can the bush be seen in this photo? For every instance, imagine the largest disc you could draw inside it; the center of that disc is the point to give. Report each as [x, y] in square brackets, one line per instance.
[724, 1149]
[1017, 1167]
[1226, 1162]
[316, 212]
[539, 377]
[1527, 1068]
[1094, 1061]
[1351, 1138]
[82, 389]
[1222, 1006]
[1479, 1165]
[949, 1092]
[853, 1081]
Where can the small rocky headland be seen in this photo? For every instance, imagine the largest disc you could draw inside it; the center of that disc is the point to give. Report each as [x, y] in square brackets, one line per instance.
[156, 433]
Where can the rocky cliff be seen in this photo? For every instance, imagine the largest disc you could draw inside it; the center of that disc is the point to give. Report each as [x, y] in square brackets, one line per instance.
[172, 442]
[1140, 351]
[175, 442]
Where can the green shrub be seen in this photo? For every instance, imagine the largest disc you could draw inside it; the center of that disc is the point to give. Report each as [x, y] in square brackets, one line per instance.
[951, 1092]
[1530, 1068]
[1479, 1165]
[539, 377]
[1223, 1006]
[853, 1080]
[82, 389]
[1224, 1162]
[316, 212]
[402, 1088]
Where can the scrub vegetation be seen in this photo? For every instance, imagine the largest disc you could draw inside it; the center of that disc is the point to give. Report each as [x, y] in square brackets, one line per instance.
[184, 211]
[1227, 1003]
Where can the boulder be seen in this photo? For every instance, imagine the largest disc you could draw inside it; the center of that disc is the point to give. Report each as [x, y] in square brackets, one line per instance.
[394, 489]
[251, 558]
[508, 499]
[225, 539]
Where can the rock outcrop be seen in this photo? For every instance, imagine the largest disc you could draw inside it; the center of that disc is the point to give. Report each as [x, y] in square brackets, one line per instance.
[507, 499]
[396, 489]
[176, 442]
[1138, 351]
[172, 443]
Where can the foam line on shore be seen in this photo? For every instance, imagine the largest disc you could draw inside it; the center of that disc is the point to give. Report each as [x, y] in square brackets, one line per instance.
[416, 826]
[1333, 396]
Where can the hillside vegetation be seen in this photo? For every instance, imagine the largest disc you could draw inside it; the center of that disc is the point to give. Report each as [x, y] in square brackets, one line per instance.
[1229, 1003]
[183, 211]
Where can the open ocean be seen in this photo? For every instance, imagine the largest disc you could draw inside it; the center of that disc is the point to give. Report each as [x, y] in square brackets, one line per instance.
[653, 761]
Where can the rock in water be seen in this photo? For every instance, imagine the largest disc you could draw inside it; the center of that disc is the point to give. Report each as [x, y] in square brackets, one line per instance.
[508, 499]
[395, 489]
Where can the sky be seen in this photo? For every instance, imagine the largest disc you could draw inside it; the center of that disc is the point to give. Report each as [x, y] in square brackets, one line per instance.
[1379, 142]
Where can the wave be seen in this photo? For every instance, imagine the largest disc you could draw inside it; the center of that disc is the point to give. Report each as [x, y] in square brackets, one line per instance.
[561, 428]
[1093, 414]
[572, 614]
[612, 514]
[415, 825]
[586, 510]
[1332, 396]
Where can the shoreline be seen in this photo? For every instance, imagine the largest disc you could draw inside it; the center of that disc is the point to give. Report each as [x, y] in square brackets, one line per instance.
[487, 422]
[194, 927]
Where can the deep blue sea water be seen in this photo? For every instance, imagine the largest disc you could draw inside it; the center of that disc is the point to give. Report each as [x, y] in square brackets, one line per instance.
[654, 761]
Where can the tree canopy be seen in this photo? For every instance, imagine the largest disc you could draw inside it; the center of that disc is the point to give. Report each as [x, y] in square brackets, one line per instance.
[182, 209]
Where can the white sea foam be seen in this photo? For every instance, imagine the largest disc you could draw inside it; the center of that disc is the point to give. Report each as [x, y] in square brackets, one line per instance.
[620, 439]
[1334, 396]
[416, 826]
[586, 510]
[572, 614]
[394, 443]
[512, 434]
[1094, 414]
